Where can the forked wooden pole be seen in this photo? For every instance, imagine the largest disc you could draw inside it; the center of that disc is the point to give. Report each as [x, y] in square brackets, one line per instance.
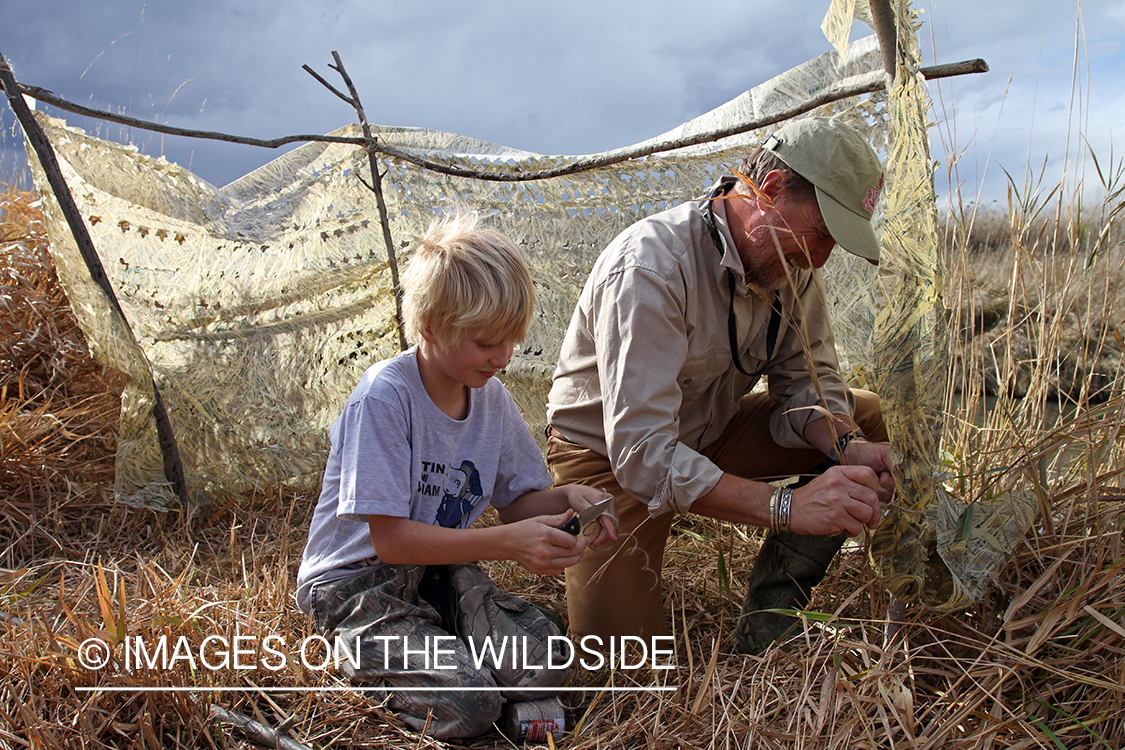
[376, 185]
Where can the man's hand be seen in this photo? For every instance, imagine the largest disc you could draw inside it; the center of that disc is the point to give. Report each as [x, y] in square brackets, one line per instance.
[825, 434]
[581, 497]
[844, 498]
[877, 457]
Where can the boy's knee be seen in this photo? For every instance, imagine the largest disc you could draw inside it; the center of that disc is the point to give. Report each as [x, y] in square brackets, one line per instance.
[515, 635]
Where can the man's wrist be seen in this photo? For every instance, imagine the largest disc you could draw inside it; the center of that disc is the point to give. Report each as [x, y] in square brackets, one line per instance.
[839, 451]
[781, 507]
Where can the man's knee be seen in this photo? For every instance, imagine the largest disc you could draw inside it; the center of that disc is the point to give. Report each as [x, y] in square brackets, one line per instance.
[869, 415]
[618, 591]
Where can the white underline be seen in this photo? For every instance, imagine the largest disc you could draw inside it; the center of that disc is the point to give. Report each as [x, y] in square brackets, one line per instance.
[227, 689]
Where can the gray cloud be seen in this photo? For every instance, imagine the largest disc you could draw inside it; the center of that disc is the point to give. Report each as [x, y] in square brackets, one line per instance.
[574, 77]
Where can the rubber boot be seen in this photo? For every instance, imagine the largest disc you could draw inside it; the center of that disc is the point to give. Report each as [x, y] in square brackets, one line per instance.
[787, 568]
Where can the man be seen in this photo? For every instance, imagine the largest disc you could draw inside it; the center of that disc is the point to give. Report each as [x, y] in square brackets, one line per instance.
[681, 315]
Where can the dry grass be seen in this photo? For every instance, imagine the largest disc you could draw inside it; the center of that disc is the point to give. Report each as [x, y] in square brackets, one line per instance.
[1041, 300]
[1039, 663]
[58, 408]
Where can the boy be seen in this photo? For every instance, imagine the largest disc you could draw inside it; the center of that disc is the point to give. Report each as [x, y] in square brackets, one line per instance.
[426, 441]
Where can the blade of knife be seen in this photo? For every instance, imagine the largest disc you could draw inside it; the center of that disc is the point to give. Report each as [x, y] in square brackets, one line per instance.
[578, 522]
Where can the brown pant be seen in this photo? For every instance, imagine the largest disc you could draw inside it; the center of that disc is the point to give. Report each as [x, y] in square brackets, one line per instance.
[617, 590]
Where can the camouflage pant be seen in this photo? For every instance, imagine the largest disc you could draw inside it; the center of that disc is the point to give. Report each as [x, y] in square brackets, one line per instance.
[379, 620]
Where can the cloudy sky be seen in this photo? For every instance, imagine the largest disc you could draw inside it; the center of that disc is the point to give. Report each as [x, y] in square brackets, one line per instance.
[568, 77]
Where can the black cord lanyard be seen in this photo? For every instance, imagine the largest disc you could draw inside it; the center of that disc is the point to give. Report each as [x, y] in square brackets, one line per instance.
[732, 321]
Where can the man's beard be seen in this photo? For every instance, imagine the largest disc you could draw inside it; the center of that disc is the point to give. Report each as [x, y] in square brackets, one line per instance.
[765, 268]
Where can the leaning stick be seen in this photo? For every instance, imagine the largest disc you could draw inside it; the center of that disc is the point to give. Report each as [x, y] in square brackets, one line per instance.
[173, 467]
[48, 97]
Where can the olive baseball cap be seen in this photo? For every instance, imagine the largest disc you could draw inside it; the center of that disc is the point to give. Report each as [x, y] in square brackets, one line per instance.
[845, 171]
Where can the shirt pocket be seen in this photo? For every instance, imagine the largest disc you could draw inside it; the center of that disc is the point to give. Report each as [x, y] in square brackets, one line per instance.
[700, 373]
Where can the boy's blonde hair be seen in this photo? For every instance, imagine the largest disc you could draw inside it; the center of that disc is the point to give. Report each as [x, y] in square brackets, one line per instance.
[463, 277]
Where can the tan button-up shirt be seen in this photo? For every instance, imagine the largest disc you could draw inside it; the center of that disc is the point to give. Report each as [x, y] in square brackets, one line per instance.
[645, 375]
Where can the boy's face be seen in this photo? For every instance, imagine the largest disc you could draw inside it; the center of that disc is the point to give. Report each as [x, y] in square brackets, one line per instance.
[473, 359]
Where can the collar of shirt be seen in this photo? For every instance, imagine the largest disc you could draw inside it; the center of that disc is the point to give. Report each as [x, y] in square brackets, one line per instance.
[731, 259]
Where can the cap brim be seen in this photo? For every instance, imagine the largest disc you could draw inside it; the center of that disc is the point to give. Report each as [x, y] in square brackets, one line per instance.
[850, 230]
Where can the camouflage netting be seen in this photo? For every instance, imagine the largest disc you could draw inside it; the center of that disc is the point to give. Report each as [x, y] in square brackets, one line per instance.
[929, 547]
[256, 307]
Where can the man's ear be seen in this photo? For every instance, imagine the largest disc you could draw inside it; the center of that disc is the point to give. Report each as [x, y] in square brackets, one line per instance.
[773, 185]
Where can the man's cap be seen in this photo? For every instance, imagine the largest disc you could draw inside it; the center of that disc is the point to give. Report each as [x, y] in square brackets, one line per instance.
[845, 171]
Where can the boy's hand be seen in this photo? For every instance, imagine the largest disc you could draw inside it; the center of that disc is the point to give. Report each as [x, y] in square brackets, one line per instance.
[581, 497]
[541, 547]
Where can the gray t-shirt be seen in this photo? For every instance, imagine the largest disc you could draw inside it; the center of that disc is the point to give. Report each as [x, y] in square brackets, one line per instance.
[394, 453]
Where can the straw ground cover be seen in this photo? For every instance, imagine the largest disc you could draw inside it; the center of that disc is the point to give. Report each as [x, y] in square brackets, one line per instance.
[1038, 663]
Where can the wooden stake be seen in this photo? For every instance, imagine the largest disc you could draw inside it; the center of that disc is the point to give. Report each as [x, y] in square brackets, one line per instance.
[173, 467]
[884, 19]
[896, 618]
